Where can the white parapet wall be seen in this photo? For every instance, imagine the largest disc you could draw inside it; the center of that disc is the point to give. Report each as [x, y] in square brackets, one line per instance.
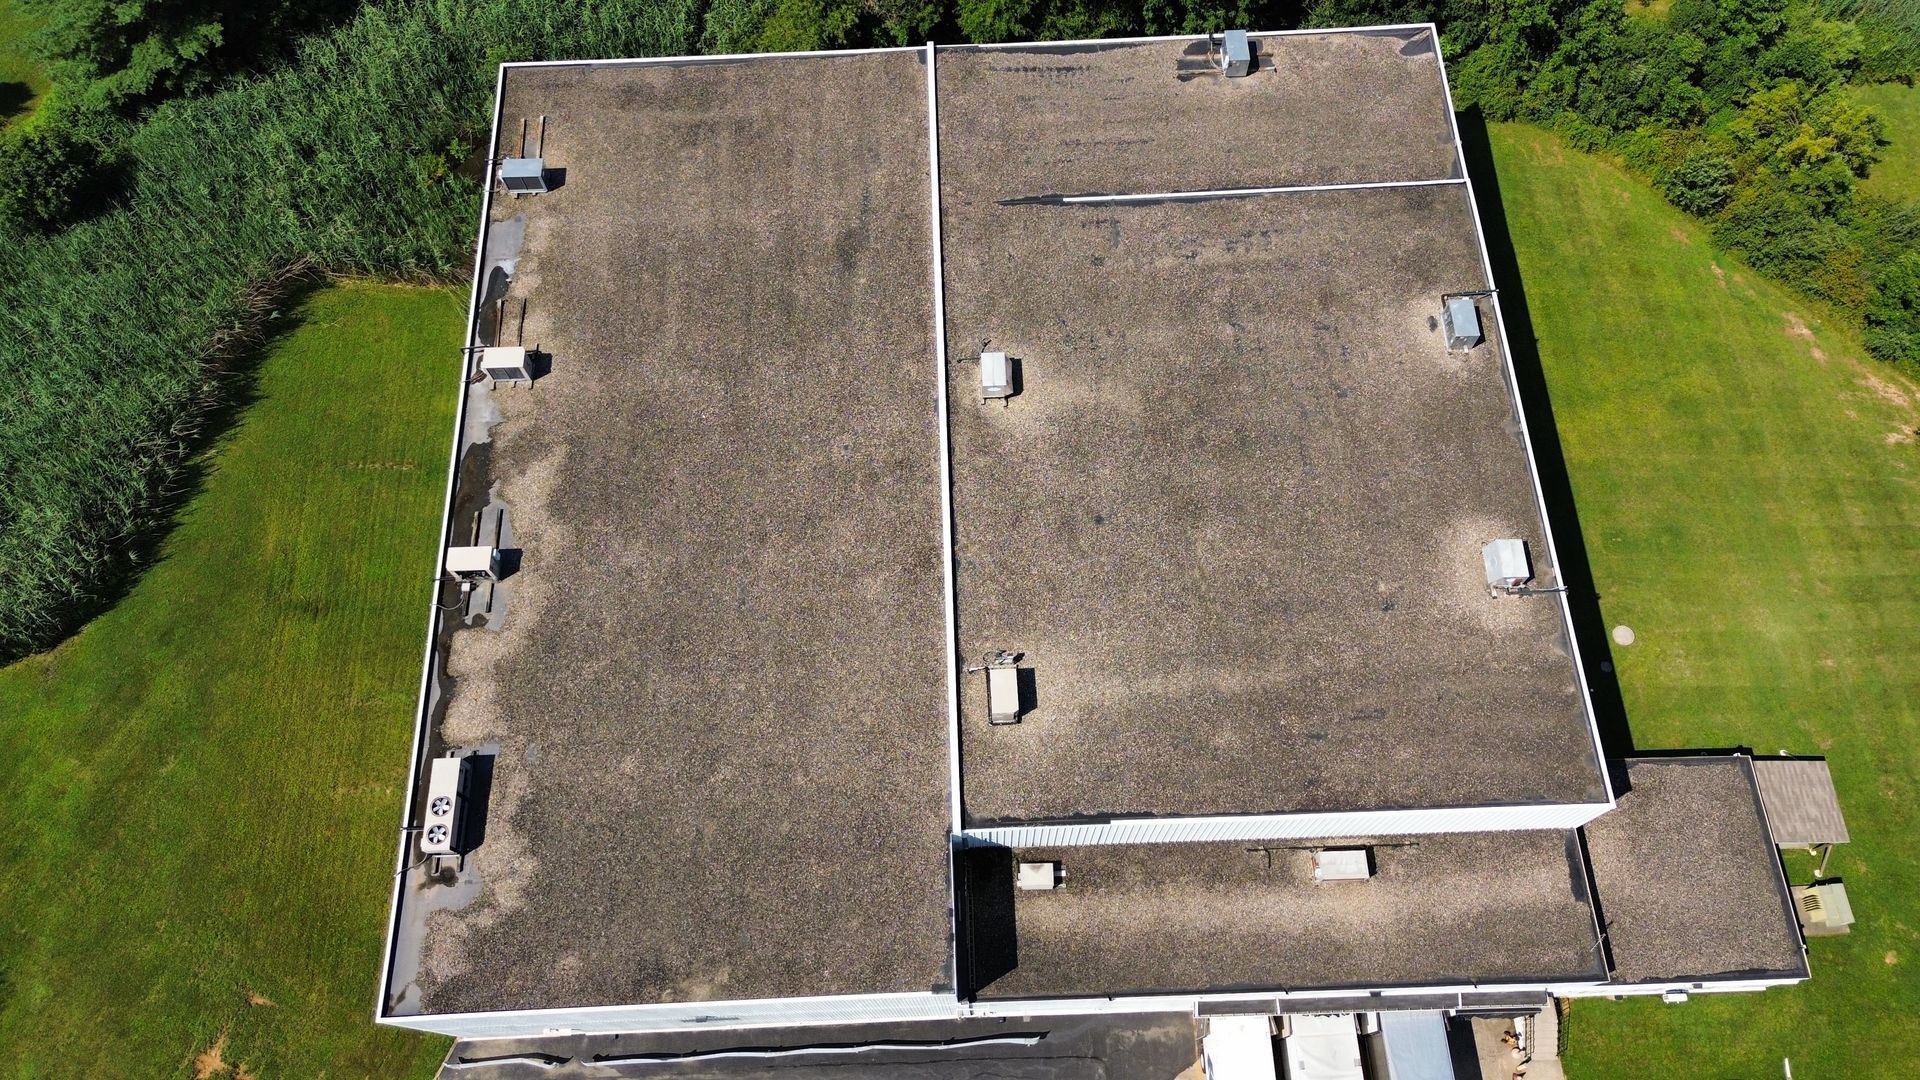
[1154, 830]
[686, 1016]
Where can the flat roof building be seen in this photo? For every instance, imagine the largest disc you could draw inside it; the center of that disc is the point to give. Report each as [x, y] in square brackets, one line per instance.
[767, 533]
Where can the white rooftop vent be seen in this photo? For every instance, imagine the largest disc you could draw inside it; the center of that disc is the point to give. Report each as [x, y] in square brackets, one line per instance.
[1342, 864]
[1463, 324]
[1039, 876]
[1003, 694]
[1508, 566]
[1236, 54]
[446, 783]
[996, 377]
[524, 175]
[506, 363]
[480, 563]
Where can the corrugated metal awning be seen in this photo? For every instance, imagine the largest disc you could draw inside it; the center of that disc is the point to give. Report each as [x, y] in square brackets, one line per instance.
[1802, 809]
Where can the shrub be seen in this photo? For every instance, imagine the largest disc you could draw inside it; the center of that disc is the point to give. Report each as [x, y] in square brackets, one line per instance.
[46, 172]
[1701, 184]
[1893, 313]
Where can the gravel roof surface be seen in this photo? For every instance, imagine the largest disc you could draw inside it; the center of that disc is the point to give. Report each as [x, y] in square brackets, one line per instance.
[1449, 909]
[1233, 518]
[719, 692]
[1688, 878]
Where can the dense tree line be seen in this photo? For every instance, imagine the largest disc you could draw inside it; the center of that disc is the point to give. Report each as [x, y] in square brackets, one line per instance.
[1738, 111]
[196, 155]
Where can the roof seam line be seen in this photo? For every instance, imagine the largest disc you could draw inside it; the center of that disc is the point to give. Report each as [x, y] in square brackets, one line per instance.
[1282, 190]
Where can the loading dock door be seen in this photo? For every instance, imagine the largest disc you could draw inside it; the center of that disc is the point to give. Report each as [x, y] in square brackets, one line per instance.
[1416, 1045]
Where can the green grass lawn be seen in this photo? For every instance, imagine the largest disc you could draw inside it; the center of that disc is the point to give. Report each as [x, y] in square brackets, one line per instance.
[22, 79]
[199, 794]
[1897, 176]
[1748, 486]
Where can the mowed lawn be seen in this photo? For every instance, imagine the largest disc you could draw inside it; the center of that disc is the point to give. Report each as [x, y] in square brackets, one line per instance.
[1897, 174]
[1748, 485]
[199, 793]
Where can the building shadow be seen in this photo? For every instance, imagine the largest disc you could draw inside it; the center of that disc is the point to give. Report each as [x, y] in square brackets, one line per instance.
[474, 802]
[989, 947]
[1576, 571]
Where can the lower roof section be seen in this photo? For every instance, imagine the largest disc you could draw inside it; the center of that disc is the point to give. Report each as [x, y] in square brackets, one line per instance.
[1689, 880]
[1683, 876]
[1441, 910]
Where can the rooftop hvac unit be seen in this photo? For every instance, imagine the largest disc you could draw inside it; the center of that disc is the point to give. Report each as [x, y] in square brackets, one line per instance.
[479, 563]
[524, 175]
[1039, 876]
[446, 783]
[506, 363]
[1342, 864]
[996, 377]
[1236, 54]
[1463, 324]
[1508, 566]
[527, 174]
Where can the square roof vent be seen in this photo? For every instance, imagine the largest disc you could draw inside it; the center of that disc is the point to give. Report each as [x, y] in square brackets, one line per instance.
[1343, 864]
[1236, 54]
[1507, 564]
[996, 377]
[1039, 876]
[1463, 324]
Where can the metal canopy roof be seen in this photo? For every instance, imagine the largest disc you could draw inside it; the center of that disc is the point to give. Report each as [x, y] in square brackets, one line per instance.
[1802, 809]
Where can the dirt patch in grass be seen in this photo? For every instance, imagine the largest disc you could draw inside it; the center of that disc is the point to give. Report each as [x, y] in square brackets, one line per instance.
[1680, 234]
[1796, 328]
[1885, 389]
[211, 1062]
[258, 999]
